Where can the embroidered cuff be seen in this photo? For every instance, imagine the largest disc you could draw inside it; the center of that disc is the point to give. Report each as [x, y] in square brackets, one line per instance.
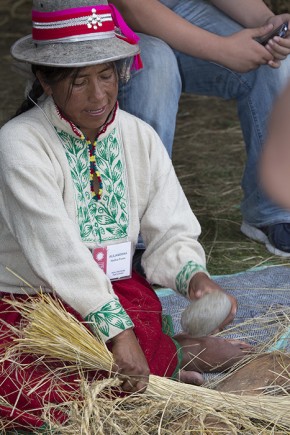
[109, 321]
[185, 275]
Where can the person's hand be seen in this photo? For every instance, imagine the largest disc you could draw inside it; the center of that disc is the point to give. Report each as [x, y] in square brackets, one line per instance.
[130, 362]
[279, 47]
[200, 284]
[241, 52]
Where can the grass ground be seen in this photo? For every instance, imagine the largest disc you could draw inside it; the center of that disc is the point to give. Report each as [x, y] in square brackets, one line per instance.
[209, 158]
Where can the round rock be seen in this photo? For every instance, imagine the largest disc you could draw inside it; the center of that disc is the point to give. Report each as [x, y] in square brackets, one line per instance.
[204, 315]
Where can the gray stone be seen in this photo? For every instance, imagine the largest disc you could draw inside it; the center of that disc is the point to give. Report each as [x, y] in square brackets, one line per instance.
[203, 316]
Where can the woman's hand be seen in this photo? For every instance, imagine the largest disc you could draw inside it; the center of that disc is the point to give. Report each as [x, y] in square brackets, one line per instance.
[279, 47]
[130, 362]
[200, 284]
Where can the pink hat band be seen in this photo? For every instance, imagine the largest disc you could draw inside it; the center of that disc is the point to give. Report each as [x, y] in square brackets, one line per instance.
[83, 23]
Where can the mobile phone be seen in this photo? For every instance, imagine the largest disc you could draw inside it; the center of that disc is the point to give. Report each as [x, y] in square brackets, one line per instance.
[279, 31]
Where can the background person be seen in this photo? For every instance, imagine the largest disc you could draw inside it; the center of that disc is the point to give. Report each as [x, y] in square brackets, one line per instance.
[209, 48]
[275, 159]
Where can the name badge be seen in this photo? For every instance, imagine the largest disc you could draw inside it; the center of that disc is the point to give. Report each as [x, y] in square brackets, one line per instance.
[115, 260]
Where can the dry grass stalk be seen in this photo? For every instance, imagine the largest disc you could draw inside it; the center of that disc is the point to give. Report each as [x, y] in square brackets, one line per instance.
[165, 405]
[164, 412]
[274, 323]
[145, 414]
[264, 408]
[54, 332]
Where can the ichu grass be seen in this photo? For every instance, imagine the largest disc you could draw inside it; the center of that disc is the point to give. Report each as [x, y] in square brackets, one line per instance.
[51, 328]
[166, 407]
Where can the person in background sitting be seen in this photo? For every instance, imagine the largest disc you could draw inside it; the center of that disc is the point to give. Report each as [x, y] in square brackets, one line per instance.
[210, 48]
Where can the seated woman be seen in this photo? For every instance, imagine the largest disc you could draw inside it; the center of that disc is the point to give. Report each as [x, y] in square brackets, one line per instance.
[80, 179]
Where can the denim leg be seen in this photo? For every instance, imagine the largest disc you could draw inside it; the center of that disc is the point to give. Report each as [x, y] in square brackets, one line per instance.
[255, 93]
[254, 109]
[153, 93]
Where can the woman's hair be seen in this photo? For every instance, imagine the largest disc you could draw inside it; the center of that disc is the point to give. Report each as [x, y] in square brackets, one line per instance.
[52, 75]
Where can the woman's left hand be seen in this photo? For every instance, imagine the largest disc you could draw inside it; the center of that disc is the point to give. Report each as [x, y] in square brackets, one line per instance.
[279, 47]
[200, 284]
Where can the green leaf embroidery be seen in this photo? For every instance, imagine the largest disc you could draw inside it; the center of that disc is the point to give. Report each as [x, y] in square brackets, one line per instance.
[106, 219]
[183, 277]
[112, 316]
[117, 171]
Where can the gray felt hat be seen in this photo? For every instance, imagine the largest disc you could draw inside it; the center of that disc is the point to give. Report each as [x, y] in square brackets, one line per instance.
[75, 33]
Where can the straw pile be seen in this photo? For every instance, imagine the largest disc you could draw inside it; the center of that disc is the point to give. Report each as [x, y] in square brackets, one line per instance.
[166, 407]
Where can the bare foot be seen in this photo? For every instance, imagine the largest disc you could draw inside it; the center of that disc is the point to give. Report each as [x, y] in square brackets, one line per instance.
[190, 377]
[205, 354]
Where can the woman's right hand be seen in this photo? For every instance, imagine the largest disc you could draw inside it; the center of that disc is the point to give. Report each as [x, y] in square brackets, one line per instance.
[130, 362]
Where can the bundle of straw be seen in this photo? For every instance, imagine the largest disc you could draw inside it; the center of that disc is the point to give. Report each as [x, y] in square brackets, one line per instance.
[167, 406]
[56, 333]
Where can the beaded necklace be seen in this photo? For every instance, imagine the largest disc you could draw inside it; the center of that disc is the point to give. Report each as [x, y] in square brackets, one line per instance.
[94, 171]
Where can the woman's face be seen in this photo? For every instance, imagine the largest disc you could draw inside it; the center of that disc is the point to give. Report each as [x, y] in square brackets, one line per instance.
[88, 100]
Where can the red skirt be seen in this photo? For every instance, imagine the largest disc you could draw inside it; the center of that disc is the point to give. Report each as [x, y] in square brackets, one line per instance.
[17, 381]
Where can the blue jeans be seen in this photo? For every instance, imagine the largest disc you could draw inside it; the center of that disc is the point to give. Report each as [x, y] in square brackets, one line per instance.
[153, 95]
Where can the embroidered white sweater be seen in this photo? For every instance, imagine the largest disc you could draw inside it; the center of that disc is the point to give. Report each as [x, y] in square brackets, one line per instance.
[49, 222]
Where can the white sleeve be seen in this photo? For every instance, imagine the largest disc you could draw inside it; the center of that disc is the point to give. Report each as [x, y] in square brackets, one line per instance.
[169, 228]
